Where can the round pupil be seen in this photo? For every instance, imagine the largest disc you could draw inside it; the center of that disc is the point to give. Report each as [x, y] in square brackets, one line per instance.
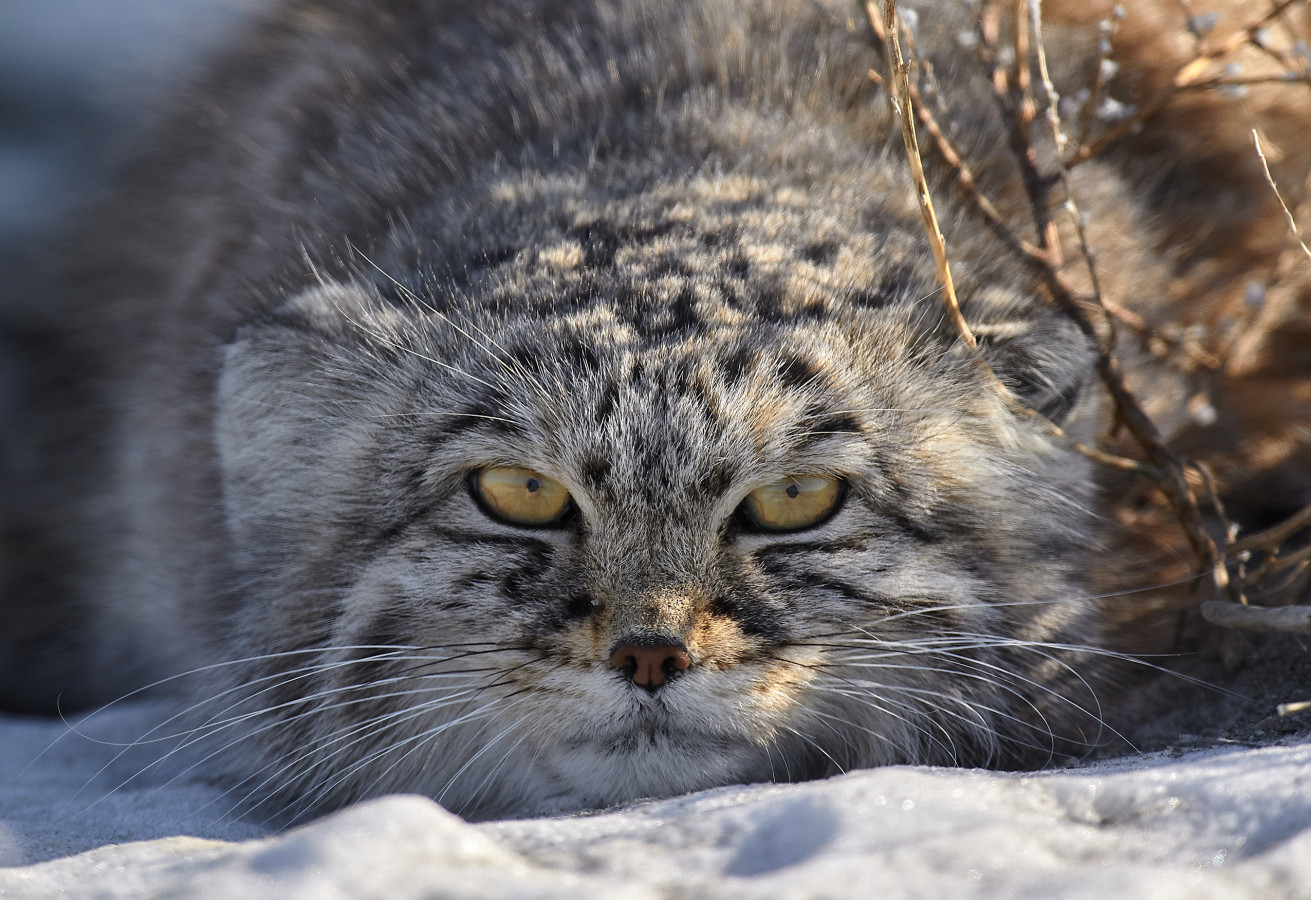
[793, 490]
[532, 485]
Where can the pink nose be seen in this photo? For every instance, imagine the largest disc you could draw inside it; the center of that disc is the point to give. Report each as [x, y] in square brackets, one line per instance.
[647, 666]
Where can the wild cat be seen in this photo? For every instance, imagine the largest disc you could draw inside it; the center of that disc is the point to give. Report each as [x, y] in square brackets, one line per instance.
[543, 405]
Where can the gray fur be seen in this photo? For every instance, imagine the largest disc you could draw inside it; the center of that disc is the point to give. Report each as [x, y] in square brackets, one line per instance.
[663, 252]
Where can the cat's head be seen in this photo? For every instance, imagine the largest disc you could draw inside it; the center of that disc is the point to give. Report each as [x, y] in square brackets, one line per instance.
[641, 512]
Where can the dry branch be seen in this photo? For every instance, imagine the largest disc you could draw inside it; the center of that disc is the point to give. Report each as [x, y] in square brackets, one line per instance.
[1274, 536]
[1015, 71]
[1265, 166]
[908, 104]
[1129, 411]
[1189, 77]
[901, 102]
[1258, 618]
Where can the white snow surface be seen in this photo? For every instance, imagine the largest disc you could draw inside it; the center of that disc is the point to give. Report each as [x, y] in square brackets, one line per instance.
[1232, 822]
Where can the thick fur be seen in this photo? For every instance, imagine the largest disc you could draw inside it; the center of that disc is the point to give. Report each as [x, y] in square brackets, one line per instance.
[665, 253]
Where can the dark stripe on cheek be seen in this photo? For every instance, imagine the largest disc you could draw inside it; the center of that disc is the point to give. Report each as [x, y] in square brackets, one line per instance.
[523, 542]
[859, 542]
[920, 531]
[528, 577]
[804, 580]
[390, 531]
[752, 615]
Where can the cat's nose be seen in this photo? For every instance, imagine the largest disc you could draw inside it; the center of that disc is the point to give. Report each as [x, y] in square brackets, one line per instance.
[649, 665]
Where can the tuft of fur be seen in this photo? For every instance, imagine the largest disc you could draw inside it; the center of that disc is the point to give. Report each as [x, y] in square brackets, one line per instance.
[663, 253]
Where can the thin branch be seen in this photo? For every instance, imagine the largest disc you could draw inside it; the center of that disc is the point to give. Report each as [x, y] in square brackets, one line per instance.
[1273, 536]
[1245, 81]
[1020, 109]
[1037, 259]
[1248, 34]
[1292, 223]
[1185, 78]
[1102, 71]
[1257, 618]
[901, 102]
[1129, 410]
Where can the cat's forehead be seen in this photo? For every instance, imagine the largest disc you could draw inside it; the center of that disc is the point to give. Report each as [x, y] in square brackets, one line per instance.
[598, 401]
[684, 326]
[666, 249]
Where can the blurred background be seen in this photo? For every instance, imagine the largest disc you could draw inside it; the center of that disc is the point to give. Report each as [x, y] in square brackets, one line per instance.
[77, 79]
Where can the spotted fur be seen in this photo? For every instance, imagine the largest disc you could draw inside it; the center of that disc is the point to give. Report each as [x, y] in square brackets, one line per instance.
[664, 253]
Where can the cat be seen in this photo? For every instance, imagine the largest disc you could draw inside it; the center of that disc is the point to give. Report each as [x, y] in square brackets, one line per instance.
[546, 405]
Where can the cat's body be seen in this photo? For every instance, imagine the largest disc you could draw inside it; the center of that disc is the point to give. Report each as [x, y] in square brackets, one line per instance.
[663, 254]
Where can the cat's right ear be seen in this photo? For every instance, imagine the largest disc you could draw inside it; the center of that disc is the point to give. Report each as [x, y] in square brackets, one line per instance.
[293, 389]
[313, 345]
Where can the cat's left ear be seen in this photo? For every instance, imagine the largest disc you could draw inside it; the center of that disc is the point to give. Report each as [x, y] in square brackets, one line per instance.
[1037, 352]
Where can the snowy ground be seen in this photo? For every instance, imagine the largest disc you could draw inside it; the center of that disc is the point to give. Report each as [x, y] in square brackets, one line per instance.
[1229, 823]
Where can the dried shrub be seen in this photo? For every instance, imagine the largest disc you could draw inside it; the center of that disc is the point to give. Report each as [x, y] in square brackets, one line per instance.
[1223, 93]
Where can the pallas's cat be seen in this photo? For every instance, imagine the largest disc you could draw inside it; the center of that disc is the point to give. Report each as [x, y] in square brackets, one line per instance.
[542, 405]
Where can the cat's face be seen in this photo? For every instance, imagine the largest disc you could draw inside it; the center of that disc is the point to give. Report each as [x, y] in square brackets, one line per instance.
[527, 562]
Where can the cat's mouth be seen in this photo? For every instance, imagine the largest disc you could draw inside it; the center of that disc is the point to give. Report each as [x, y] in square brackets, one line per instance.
[649, 759]
[689, 713]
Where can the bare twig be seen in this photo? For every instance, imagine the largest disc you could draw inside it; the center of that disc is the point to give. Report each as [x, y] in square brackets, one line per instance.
[1186, 78]
[1245, 81]
[1292, 223]
[1020, 109]
[1026, 251]
[1168, 345]
[1172, 472]
[1101, 72]
[901, 102]
[1273, 536]
[1248, 34]
[1295, 560]
[1015, 91]
[1257, 618]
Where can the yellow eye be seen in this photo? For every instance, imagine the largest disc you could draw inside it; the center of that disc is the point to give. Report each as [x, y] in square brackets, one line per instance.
[797, 502]
[521, 496]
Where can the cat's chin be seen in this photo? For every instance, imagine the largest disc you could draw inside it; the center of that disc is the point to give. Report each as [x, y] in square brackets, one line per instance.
[591, 777]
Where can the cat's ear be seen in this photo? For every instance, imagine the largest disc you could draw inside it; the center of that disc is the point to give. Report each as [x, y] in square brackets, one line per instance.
[292, 391]
[1037, 352]
[303, 355]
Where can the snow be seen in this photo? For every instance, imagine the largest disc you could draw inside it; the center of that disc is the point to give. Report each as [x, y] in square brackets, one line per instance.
[1232, 822]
